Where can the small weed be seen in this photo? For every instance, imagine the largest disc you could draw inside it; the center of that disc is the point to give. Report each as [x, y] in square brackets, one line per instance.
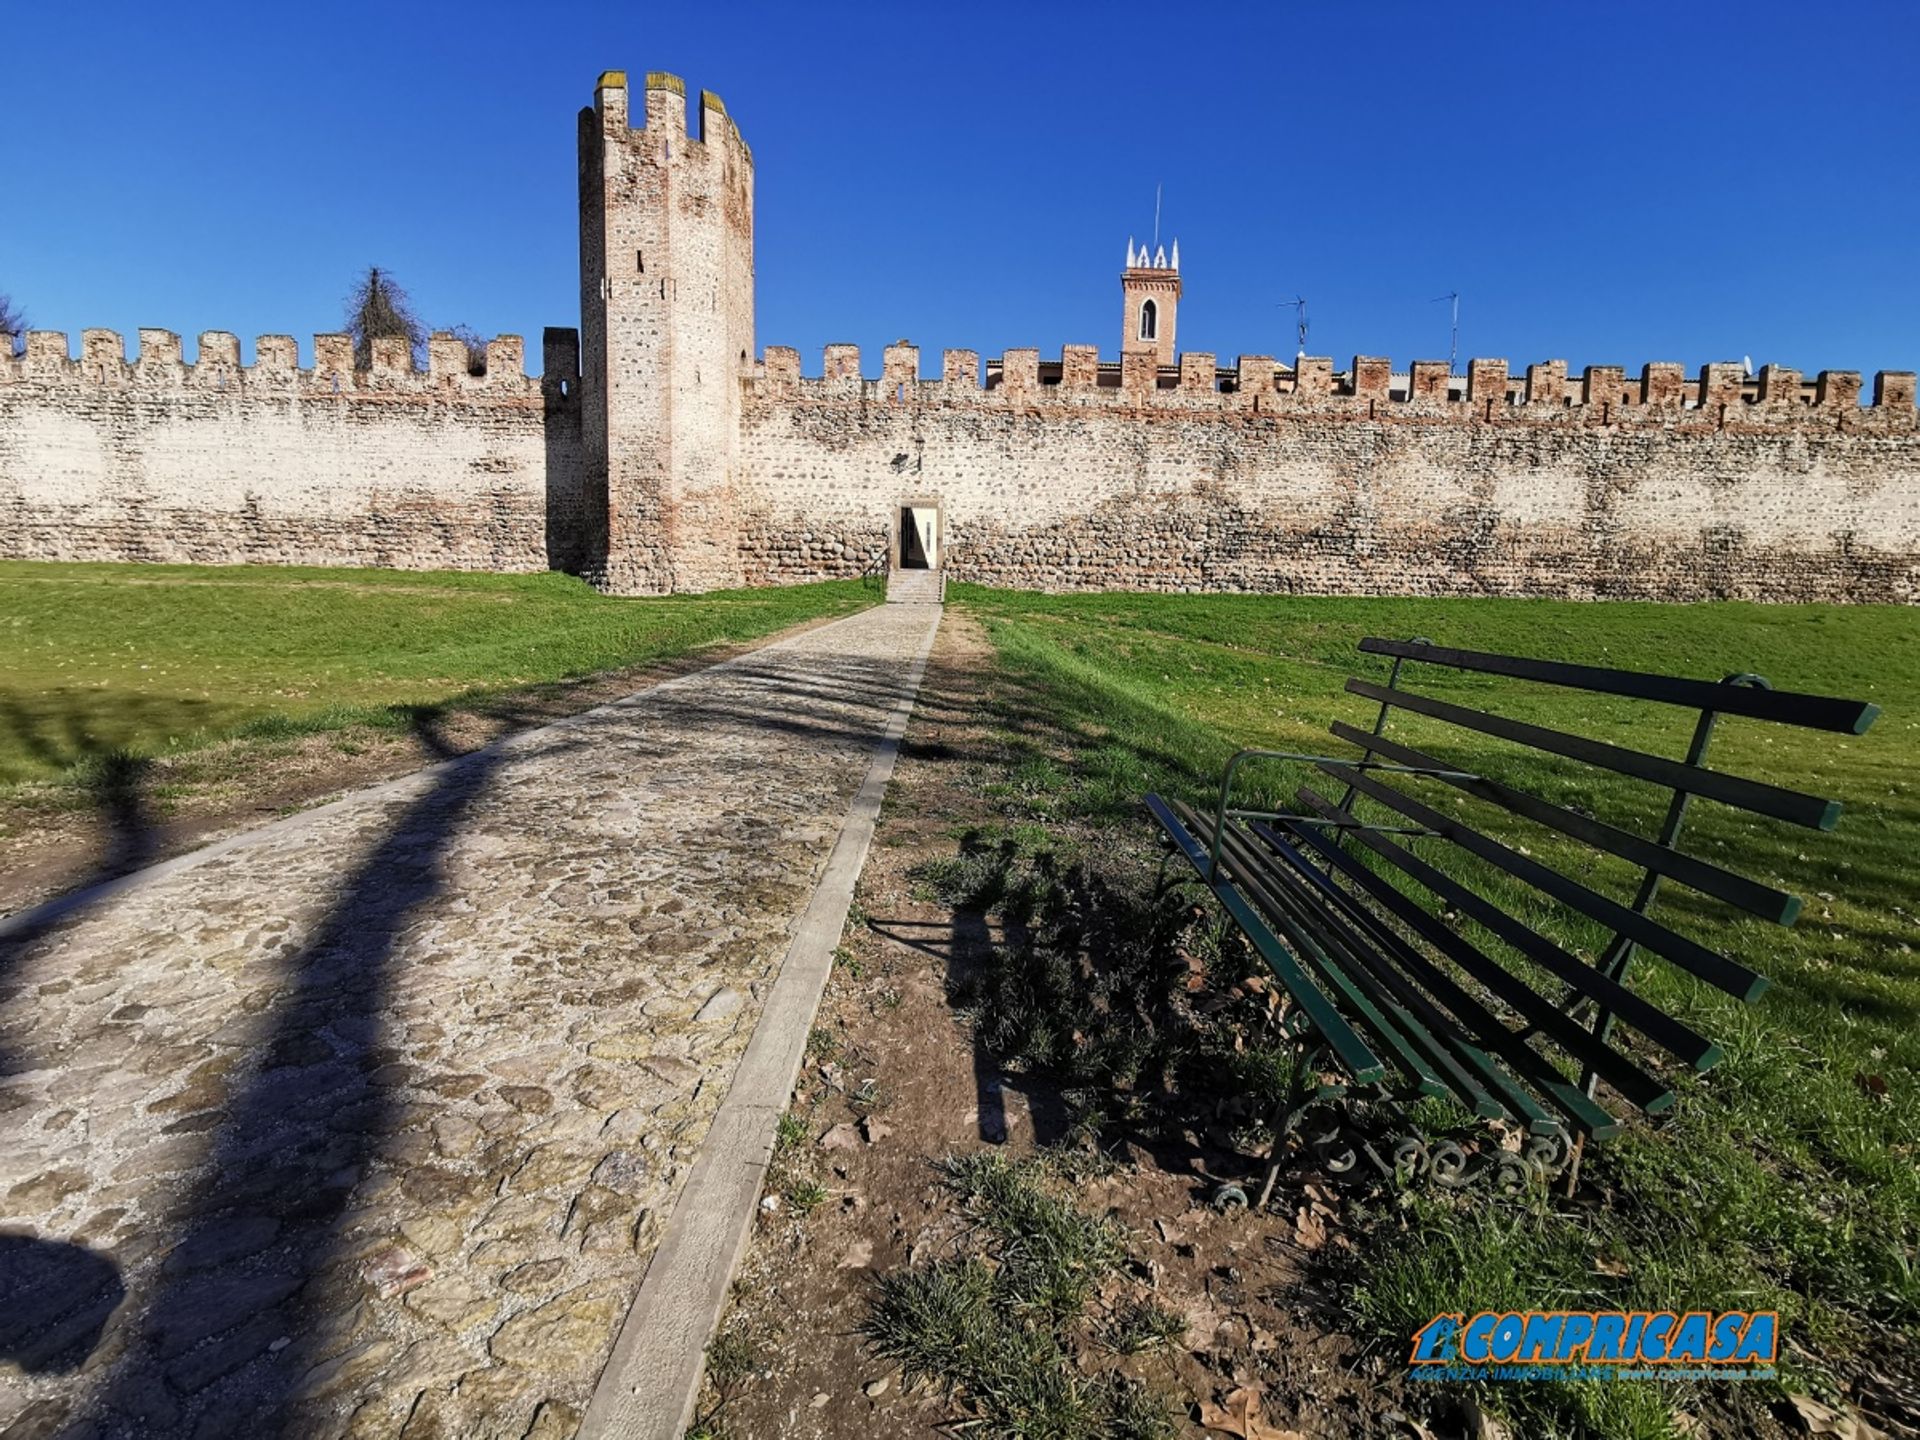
[822, 1045]
[845, 959]
[731, 1358]
[1052, 1254]
[1140, 1326]
[1000, 1330]
[806, 1196]
[790, 1134]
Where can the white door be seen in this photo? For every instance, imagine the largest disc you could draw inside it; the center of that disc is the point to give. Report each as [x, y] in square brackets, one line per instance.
[926, 523]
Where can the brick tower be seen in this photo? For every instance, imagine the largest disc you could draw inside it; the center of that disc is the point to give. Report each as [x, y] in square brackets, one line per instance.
[1150, 287]
[666, 331]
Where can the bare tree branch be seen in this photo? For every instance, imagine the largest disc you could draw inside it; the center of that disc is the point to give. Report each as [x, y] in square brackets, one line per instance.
[13, 324]
[377, 307]
[476, 347]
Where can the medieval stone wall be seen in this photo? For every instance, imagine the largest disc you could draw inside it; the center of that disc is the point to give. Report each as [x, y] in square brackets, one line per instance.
[1077, 476]
[672, 460]
[215, 462]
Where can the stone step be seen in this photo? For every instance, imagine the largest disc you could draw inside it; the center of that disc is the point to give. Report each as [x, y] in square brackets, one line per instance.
[916, 587]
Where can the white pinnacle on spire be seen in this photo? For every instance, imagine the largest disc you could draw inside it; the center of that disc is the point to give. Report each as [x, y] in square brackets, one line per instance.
[1176, 252]
[1160, 258]
[1130, 252]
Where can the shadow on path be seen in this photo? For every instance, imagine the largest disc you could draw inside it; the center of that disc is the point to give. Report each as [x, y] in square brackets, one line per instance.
[219, 1332]
[115, 783]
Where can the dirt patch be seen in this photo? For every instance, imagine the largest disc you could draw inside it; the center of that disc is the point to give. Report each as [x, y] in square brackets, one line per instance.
[55, 839]
[895, 1082]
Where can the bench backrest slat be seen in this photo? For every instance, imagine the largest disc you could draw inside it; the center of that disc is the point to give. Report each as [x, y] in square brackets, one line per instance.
[1701, 875]
[1787, 707]
[1754, 795]
[1728, 975]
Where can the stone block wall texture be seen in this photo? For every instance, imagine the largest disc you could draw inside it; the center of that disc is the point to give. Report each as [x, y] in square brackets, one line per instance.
[220, 463]
[1362, 483]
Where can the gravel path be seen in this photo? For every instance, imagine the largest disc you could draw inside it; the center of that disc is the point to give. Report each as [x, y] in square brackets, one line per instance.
[367, 1122]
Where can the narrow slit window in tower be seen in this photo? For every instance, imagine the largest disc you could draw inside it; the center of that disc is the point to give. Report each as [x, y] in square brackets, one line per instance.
[1149, 314]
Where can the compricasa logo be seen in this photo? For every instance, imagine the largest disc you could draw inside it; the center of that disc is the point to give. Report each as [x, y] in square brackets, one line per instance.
[1589, 1344]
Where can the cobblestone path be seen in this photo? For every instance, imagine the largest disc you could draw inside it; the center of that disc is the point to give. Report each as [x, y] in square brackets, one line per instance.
[366, 1123]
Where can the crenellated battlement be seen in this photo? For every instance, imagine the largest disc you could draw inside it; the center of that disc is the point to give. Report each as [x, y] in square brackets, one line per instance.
[664, 111]
[158, 365]
[1369, 388]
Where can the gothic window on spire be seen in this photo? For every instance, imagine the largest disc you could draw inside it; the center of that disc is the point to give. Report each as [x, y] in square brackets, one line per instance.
[1149, 320]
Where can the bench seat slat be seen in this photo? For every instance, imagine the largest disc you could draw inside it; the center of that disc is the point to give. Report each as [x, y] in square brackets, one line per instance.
[1673, 1035]
[1471, 1078]
[1753, 795]
[1709, 965]
[1696, 874]
[1473, 1018]
[1642, 1089]
[1414, 1048]
[1786, 707]
[1359, 1060]
[1579, 1107]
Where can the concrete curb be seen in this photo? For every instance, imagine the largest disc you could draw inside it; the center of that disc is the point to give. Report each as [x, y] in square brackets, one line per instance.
[652, 1379]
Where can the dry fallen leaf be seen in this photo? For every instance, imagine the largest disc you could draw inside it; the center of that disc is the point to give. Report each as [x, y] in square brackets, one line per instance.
[1240, 1415]
[1820, 1419]
[1481, 1425]
[1309, 1230]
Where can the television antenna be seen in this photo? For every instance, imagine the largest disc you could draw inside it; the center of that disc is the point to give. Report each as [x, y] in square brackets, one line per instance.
[1156, 214]
[1453, 355]
[1299, 304]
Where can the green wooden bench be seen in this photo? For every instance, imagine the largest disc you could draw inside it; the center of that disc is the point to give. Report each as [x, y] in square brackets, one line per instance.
[1358, 905]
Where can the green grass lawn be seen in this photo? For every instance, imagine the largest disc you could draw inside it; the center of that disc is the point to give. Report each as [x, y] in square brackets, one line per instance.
[151, 659]
[1788, 1176]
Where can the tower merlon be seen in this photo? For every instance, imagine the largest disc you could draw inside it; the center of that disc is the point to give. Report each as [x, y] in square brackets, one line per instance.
[333, 356]
[1722, 382]
[1487, 382]
[1894, 390]
[1372, 376]
[1547, 383]
[899, 366]
[1430, 381]
[274, 354]
[842, 363]
[1198, 372]
[1604, 385]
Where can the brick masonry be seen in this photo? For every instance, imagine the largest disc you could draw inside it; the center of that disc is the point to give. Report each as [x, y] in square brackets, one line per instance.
[657, 454]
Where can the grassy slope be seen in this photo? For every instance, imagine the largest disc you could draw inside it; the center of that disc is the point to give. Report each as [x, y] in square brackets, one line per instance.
[1782, 1180]
[152, 658]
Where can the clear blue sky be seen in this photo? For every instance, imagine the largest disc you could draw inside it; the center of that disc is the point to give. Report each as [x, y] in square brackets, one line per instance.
[1605, 184]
